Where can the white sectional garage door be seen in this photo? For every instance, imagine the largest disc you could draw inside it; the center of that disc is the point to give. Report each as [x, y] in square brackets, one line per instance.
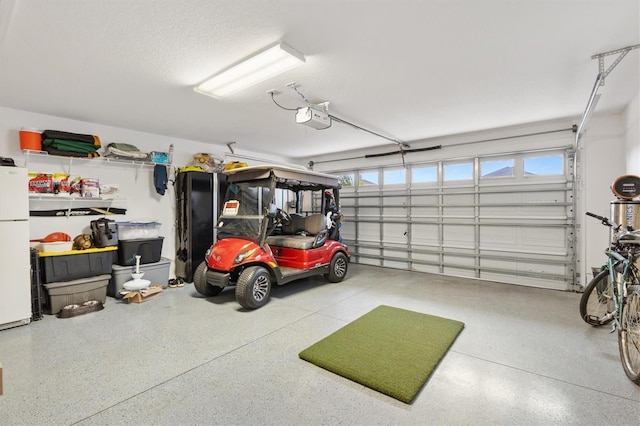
[506, 218]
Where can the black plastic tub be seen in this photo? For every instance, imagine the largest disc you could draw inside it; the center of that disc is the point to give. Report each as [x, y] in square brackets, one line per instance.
[149, 250]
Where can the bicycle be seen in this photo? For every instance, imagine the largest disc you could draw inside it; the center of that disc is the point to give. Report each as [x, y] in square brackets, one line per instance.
[613, 295]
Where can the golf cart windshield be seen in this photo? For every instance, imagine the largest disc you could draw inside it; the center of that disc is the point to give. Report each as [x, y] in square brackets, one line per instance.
[245, 209]
[259, 198]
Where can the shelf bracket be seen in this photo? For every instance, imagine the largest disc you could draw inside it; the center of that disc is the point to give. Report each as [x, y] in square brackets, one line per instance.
[622, 52]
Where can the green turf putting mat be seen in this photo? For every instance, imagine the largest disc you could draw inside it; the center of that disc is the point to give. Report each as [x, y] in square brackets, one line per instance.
[389, 349]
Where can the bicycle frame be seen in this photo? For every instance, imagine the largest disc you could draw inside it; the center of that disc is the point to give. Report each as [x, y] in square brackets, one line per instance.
[629, 274]
[623, 289]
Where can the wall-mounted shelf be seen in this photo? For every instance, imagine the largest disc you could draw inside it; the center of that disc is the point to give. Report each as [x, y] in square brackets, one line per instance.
[108, 161]
[59, 206]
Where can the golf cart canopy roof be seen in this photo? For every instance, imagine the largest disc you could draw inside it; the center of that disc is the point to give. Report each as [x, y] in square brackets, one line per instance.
[287, 177]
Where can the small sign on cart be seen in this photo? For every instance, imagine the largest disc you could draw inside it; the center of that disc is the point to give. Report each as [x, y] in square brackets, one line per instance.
[231, 208]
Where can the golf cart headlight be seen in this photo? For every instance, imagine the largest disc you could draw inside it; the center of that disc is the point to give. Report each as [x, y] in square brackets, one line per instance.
[242, 256]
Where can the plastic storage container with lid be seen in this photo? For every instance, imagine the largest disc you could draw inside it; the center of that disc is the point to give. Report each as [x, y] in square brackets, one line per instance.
[30, 139]
[149, 250]
[138, 229]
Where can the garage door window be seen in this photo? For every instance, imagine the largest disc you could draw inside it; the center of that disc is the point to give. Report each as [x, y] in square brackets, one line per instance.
[460, 171]
[347, 180]
[369, 178]
[424, 174]
[395, 177]
[496, 168]
[544, 165]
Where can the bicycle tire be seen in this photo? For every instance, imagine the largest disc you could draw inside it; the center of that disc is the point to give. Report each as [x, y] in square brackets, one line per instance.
[596, 303]
[629, 334]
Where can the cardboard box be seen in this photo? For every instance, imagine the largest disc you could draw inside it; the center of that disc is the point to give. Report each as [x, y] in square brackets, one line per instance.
[143, 295]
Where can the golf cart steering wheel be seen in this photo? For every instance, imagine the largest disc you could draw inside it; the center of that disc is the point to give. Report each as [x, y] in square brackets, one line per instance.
[283, 217]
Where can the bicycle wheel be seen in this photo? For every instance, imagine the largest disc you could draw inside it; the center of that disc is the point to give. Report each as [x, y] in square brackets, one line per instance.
[596, 303]
[629, 335]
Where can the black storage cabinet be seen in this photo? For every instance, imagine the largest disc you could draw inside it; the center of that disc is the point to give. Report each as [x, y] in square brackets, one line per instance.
[198, 197]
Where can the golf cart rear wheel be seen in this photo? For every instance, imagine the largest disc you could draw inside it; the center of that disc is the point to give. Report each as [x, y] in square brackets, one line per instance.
[253, 287]
[337, 268]
[200, 282]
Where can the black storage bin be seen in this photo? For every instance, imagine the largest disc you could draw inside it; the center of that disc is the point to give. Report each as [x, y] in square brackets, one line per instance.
[149, 250]
[83, 264]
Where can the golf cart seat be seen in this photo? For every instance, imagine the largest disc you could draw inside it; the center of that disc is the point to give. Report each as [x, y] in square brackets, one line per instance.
[304, 232]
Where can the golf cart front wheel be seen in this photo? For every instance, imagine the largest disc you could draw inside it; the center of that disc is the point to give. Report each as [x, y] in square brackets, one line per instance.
[253, 287]
[200, 282]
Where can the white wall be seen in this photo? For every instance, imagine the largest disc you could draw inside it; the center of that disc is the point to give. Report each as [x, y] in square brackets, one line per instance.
[136, 183]
[632, 135]
[602, 159]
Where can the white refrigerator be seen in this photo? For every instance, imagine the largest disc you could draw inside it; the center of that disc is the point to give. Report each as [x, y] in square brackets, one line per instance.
[15, 266]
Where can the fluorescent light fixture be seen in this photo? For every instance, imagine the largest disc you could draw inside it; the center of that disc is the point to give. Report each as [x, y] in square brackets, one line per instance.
[259, 67]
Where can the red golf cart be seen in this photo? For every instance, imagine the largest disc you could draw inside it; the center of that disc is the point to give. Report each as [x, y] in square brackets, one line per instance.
[278, 224]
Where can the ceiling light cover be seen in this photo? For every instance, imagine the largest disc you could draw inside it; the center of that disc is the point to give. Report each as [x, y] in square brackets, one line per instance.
[259, 67]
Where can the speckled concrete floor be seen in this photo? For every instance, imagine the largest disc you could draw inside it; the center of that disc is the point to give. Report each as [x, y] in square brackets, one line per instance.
[524, 357]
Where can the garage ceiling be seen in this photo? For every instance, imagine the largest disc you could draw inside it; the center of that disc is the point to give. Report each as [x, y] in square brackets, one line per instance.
[409, 70]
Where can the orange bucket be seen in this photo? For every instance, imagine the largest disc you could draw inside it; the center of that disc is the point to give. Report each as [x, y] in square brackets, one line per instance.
[30, 139]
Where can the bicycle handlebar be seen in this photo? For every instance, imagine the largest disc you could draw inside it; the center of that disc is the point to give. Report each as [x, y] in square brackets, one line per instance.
[605, 221]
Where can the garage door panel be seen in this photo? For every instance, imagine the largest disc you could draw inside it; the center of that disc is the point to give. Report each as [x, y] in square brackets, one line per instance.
[458, 235]
[522, 266]
[499, 237]
[424, 257]
[454, 260]
[348, 232]
[458, 212]
[432, 269]
[369, 231]
[521, 280]
[544, 238]
[368, 261]
[531, 213]
[395, 258]
[371, 212]
[418, 213]
[394, 212]
[512, 226]
[395, 232]
[425, 234]
[369, 201]
[518, 195]
[535, 239]
[348, 199]
[348, 213]
[423, 200]
[448, 199]
[459, 272]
